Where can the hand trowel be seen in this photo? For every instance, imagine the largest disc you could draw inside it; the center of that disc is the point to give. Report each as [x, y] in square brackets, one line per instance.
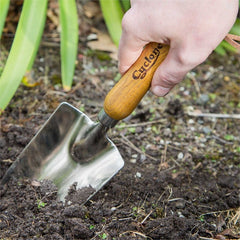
[72, 149]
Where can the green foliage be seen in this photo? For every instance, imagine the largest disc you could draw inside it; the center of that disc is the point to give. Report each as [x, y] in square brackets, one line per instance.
[125, 5]
[69, 40]
[229, 137]
[224, 46]
[113, 14]
[202, 218]
[104, 236]
[40, 204]
[28, 34]
[4, 5]
[26, 43]
[91, 227]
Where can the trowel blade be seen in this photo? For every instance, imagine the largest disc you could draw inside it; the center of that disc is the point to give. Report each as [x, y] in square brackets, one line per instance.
[48, 156]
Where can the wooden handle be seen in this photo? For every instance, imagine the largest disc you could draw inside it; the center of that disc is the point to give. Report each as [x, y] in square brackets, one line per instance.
[128, 92]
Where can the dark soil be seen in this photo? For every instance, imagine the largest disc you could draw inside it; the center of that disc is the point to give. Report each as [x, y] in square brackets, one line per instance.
[181, 177]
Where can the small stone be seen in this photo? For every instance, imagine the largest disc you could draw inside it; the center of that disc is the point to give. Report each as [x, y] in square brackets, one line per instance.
[204, 98]
[167, 132]
[181, 89]
[138, 175]
[180, 204]
[162, 142]
[142, 157]
[192, 129]
[180, 215]
[191, 121]
[206, 130]
[133, 160]
[180, 156]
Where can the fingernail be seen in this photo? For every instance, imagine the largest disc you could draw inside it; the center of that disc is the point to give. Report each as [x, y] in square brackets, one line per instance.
[160, 91]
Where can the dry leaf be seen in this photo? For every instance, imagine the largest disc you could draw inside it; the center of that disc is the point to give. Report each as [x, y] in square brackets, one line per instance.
[103, 43]
[92, 9]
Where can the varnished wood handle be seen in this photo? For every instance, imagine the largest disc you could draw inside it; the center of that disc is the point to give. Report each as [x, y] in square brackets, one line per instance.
[128, 92]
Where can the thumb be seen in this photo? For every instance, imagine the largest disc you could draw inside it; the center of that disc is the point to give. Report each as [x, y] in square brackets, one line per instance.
[168, 74]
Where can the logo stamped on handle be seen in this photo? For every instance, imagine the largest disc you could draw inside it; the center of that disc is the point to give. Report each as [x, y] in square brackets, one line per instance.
[150, 60]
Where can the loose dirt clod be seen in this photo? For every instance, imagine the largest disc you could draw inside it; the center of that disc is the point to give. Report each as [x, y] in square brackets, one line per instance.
[79, 196]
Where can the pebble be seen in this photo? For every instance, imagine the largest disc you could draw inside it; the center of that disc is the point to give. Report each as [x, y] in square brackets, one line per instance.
[191, 121]
[204, 98]
[180, 204]
[162, 142]
[206, 130]
[133, 160]
[142, 157]
[167, 132]
[138, 175]
[180, 215]
[180, 156]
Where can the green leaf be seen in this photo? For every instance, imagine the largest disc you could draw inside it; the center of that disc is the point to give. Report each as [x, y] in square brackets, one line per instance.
[41, 204]
[125, 5]
[113, 14]
[104, 236]
[91, 227]
[212, 96]
[4, 5]
[69, 40]
[224, 46]
[229, 137]
[132, 129]
[26, 40]
[220, 50]
[236, 27]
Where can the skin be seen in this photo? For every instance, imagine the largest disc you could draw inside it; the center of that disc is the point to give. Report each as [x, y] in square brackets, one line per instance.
[193, 29]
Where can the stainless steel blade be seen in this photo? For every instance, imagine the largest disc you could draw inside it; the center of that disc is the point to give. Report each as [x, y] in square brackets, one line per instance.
[48, 155]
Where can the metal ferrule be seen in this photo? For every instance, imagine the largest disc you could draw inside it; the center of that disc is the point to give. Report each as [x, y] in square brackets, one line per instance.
[105, 120]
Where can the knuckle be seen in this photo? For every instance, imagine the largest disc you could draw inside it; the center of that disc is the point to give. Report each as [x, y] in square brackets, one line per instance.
[168, 79]
[128, 21]
[190, 58]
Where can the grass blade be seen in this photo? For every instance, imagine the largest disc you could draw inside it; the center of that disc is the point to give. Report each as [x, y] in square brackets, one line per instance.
[4, 5]
[113, 14]
[23, 47]
[69, 40]
[125, 4]
[236, 27]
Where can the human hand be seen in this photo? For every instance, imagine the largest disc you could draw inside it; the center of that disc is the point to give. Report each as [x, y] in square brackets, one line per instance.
[193, 29]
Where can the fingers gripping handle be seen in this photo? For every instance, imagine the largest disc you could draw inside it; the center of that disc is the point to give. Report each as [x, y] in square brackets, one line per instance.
[128, 92]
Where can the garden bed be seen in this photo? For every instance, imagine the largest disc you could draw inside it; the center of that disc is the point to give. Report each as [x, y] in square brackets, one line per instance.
[181, 177]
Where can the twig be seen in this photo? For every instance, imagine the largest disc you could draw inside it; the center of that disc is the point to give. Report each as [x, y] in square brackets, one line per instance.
[206, 238]
[146, 217]
[140, 124]
[195, 82]
[163, 157]
[214, 115]
[134, 232]
[131, 145]
[221, 140]
[236, 217]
